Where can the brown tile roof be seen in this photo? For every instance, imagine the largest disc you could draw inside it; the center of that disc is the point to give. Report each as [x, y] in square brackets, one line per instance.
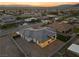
[60, 26]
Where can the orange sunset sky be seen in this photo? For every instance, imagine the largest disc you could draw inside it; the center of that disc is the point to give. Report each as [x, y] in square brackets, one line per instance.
[42, 4]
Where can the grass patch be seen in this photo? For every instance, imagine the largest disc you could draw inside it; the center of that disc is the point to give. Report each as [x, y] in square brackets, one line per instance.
[8, 26]
[22, 17]
[63, 38]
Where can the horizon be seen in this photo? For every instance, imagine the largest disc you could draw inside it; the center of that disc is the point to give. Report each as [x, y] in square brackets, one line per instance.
[38, 4]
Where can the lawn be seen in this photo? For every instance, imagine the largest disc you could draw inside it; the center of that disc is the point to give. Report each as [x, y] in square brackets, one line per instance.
[76, 30]
[22, 17]
[63, 38]
[8, 26]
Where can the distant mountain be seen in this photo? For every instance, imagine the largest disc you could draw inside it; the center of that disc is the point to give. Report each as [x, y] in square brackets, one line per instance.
[61, 7]
[77, 5]
[64, 6]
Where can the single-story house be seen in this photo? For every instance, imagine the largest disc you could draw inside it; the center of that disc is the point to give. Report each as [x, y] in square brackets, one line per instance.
[72, 19]
[30, 19]
[7, 18]
[41, 36]
[52, 16]
[45, 21]
[61, 27]
[27, 14]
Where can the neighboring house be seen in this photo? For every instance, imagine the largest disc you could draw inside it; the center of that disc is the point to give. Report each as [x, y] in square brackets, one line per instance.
[7, 19]
[49, 18]
[61, 27]
[27, 20]
[65, 21]
[44, 17]
[71, 19]
[25, 24]
[27, 14]
[30, 19]
[41, 36]
[52, 17]
[45, 21]
[74, 49]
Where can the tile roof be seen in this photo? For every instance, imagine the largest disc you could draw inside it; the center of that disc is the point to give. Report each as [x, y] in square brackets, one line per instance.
[60, 26]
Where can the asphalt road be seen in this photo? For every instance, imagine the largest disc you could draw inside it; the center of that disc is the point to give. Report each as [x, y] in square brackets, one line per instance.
[8, 48]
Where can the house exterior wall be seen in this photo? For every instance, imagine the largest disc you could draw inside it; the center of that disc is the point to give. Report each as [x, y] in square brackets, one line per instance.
[42, 37]
[46, 43]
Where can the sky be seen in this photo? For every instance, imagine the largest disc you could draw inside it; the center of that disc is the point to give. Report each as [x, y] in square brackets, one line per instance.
[41, 4]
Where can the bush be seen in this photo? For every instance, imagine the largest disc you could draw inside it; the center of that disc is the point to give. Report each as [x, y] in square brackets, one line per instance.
[63, 38]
